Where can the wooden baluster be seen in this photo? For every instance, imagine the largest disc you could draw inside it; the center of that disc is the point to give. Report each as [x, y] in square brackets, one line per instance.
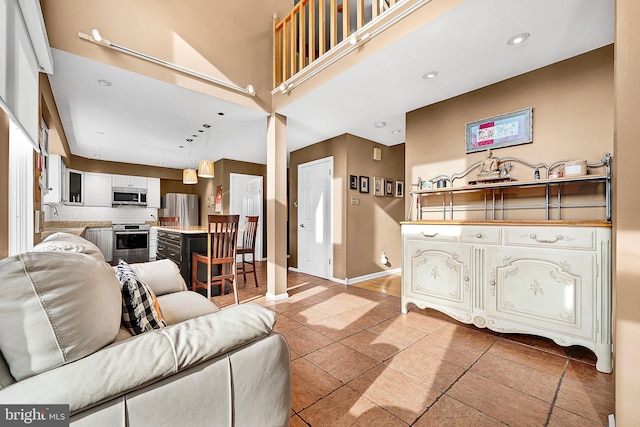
[285, 49]
[375, 9]
[302, 39]
[333, 24]
[391, 3]
[277, 56]
[312, 31]
[360, 13]
[292, 46]
[322, 27]
[346, 19]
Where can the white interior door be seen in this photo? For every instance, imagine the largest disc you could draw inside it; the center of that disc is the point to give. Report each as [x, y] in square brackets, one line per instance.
[245, 199]
[315, 243]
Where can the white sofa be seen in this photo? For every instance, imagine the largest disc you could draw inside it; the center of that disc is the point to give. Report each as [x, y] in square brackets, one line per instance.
[61, 343]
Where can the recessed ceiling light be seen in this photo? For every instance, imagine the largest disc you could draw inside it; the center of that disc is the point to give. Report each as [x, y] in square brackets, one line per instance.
[206, 125]
[380, 124]
[194, 135]
[97, 155]
[104, 82]
[397, 131]
[98, 147]
[180, 146]
[518, 39]
[430, 75]
[221, 114]
[99, 132]
[189, 140]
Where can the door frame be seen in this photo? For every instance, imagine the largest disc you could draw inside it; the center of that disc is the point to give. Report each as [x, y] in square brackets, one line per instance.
[330, 201]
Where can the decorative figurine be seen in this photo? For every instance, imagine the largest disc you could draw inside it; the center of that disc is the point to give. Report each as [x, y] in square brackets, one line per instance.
[489, 170]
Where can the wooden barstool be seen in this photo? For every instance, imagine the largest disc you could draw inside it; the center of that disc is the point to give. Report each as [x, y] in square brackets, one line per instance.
[222, 235]
[169, 220]
[248, 247]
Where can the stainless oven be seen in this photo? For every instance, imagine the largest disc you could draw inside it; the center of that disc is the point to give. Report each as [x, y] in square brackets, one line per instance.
[131, 242]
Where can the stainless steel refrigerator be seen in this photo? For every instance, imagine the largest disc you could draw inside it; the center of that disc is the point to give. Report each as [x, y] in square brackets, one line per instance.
[184, 206]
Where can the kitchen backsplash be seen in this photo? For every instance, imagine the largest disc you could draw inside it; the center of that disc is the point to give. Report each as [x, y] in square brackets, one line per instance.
[120, 215]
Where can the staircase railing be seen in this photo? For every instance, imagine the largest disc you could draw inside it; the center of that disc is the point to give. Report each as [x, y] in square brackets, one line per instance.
[313, 27]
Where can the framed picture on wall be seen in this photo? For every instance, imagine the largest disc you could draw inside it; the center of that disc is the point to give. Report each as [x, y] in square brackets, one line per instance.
[378, 186]
[353, 182]
[500, 131]
[364, 184]
[388, 187]
[399, 189]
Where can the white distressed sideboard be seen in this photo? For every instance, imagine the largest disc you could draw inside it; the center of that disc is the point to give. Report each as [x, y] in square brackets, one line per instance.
[545, 278]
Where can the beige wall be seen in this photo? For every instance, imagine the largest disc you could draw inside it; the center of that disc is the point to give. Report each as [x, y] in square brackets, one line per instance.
[572, 118]
[626, 206]
[223, 168]
[361, 232]
[230, 41]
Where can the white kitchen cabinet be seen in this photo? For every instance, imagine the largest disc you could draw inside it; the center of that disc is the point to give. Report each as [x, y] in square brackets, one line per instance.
[97, 189]
[129, 181]
[73, 188]
[153, 193]
[153, 243]
[102, 237]
[539, 279]
[55, 179]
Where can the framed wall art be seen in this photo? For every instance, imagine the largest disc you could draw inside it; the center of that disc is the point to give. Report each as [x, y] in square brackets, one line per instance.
[500, 131]
[353, 182]
[388, 183]
[364, 184]
[378, 186]
[399, 189]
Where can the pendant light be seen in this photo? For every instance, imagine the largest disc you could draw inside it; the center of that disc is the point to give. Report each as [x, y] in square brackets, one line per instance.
[189, 175]
[206, 167]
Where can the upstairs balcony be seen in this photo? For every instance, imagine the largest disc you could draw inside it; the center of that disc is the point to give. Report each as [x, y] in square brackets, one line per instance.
[316, 33]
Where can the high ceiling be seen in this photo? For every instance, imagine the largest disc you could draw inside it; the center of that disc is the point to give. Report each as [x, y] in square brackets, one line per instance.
[144, 121]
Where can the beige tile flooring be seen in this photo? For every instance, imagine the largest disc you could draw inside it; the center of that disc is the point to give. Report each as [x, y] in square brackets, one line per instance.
[357, 360]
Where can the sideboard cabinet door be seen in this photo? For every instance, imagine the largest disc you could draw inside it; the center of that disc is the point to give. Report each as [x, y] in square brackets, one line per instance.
[542, 289]
[439, 276]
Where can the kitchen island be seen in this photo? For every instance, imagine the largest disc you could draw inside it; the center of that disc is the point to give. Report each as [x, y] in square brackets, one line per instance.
[178, 243]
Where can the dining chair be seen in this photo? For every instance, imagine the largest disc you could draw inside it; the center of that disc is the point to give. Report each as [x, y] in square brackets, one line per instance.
[222, 235]
[248, 247]
[169, 220]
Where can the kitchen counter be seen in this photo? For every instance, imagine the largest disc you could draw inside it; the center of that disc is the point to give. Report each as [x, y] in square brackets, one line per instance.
[182, 230]
[72, 227]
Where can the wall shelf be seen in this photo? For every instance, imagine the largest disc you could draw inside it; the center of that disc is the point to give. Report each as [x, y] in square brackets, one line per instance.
[495, 205]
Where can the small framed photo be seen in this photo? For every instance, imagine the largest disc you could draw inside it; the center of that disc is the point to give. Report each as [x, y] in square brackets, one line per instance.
[388, 187]
[378, 186]
[399, 189]
[353, 182]
[364, 184]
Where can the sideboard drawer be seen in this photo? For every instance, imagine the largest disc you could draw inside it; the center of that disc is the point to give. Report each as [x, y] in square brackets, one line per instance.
[481, 235]
[435, 233]
[552, 237]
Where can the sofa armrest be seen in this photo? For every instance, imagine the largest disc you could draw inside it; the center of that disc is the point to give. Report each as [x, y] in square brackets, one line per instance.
[142, 360]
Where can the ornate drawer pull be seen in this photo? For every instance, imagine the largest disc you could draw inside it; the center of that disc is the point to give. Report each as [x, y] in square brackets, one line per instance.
[429, 235]
[535, 237]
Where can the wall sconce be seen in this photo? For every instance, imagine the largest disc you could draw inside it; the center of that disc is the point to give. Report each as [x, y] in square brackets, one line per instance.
[377, 154]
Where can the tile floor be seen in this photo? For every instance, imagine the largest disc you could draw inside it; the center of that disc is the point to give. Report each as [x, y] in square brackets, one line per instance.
[357, 360]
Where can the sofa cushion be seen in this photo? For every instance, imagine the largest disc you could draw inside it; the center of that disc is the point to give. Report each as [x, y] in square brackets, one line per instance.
[180, 306]
[66, 242]
[163, 276]
[55, 307]
[140, 309]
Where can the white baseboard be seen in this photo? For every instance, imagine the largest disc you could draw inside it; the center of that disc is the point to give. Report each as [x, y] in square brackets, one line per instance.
[272, 297]
[294, 269]
[353, 280]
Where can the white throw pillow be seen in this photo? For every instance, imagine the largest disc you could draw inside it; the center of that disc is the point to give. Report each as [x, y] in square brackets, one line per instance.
[55, 308]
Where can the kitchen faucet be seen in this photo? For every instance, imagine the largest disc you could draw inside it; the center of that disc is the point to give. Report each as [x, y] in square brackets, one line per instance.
[55, 210]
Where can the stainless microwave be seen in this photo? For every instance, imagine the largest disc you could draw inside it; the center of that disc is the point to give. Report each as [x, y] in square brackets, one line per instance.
[129, 196]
